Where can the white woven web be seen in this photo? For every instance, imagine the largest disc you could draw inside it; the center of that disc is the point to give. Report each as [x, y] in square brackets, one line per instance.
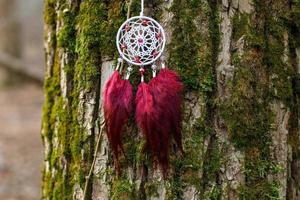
[141, 40]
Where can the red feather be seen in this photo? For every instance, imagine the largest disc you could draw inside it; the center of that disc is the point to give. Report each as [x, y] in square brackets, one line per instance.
[148, 119]
[158, 114]
[167, 90]
[117, 105]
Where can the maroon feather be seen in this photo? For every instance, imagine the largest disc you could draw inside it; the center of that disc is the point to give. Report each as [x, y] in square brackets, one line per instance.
[167, 91]
[117, 105]
[158, 114]
[148, 119]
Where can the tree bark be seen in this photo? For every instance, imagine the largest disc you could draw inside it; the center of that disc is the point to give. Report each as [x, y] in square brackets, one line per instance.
[240, 63]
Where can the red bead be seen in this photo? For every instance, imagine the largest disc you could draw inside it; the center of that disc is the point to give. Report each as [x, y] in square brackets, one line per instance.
[140, 41]
[142, 71]
[155, 53]
[137, 59]
[127, 27]
[123, 46]
[158, 36]
[145, 22]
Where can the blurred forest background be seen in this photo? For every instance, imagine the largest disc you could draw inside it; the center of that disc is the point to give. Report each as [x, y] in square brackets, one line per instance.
[21, 97]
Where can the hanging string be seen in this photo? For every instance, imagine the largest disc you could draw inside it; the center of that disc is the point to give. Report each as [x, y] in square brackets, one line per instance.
[142, 8]
[129, 7]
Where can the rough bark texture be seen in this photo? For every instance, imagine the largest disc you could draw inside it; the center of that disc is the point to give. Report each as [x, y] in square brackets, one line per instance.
[240, 63]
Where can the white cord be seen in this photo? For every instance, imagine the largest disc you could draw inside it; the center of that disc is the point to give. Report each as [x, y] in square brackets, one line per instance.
[129, 69]
[120, 60]
[154, 67]
[142, 8]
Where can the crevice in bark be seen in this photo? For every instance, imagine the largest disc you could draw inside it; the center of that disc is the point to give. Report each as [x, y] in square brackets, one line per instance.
[211, 175]
[293, 175]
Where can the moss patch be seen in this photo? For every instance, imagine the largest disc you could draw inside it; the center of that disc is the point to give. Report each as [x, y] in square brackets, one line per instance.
[247, 112]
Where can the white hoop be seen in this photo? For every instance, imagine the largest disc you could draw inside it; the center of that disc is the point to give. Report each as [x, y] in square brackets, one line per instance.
[140, 40]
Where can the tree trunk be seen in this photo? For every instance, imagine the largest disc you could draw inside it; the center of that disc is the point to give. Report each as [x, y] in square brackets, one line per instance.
[240, 63]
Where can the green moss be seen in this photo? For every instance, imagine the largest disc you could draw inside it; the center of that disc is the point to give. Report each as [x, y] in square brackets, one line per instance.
[215, 194]
[294, 22]
[266, 191]
[123, 190]
[185, 170]
[214, 22]
[184, 47]
[247, 115]
[175, 187]
[193, 53]
[91, 27]
[293, 136]
[191, 162]
[213, 154]
[151, 189]
[60, 115]
[240, 23]
[67, 34]
[56, 121]
[247, 112]
[52, 89]
[212, 164]
[50, 13]
[116, 15]
[294, 34]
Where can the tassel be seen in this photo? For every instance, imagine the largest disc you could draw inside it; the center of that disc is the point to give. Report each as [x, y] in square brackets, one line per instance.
[117, 105]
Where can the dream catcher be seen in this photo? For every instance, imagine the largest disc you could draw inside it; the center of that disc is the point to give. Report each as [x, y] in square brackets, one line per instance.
[141, 42]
